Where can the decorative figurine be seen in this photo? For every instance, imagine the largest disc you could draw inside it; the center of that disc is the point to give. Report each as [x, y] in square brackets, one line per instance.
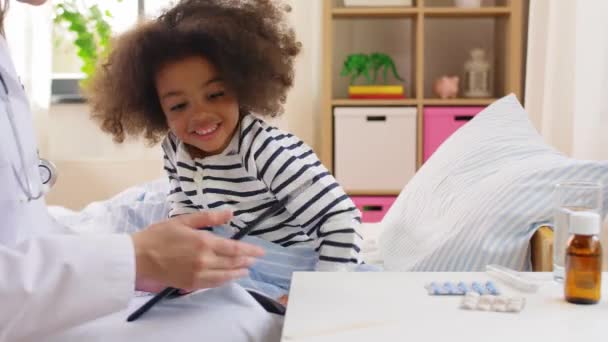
[446, 87]
[477, 75]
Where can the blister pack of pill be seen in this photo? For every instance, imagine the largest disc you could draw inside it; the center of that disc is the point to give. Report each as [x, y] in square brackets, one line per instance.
[449, 288]
[475, 301]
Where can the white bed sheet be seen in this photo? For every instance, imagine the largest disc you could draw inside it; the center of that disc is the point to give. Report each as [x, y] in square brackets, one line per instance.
[139, 206]
[227, 313]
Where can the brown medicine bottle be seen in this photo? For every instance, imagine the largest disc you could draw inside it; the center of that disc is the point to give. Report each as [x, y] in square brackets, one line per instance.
[583, 268]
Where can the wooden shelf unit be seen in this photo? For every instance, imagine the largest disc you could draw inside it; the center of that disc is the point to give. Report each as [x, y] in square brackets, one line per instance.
[372, 192]
[508, 15]
[457, 102]
[450, 12]
[414, 102]
[351, 102]
[391, 12]
[380, 12]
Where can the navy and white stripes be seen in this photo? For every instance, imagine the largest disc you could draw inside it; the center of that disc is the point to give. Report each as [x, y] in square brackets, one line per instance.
[260, 166]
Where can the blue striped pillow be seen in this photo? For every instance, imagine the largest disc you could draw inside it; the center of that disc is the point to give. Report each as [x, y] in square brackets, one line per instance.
[481, 196]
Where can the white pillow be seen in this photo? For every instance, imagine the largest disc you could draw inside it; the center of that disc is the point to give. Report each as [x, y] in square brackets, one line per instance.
[481, 196]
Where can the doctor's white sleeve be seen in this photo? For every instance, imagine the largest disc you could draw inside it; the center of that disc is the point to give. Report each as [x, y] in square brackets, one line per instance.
[56, 282]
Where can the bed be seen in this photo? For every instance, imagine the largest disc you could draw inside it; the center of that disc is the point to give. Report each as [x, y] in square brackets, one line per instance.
[105, 183]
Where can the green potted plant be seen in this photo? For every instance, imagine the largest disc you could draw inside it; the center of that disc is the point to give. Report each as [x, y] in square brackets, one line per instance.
[87, 27]
[368, 66]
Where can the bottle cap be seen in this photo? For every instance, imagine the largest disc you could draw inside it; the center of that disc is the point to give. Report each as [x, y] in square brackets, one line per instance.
[584, 223]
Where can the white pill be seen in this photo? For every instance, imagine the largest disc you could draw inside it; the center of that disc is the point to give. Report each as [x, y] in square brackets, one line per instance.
[486, 300]
[499, 307]
[515, 305]
[483, 306]
[473, 294]
[501, 300]
[469, 305]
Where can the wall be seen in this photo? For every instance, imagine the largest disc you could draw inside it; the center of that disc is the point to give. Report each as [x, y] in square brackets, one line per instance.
[302, 110]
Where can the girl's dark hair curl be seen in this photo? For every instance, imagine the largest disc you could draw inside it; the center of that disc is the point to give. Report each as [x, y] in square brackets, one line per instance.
[249, 42]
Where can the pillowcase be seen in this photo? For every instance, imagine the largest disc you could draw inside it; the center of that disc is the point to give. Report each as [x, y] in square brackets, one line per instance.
[481, 196]
[129, 211]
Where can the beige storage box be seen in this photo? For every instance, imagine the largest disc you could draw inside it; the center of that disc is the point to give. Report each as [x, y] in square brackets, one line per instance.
[374, 148]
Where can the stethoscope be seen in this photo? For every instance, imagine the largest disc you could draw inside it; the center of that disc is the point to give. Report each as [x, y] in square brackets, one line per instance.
[48, 171]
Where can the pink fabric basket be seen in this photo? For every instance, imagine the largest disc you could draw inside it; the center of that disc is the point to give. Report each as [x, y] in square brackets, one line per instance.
[441, 122]
[373, 208]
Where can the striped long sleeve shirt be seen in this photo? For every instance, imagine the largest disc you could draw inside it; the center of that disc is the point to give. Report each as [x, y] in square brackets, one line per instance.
[260, 166]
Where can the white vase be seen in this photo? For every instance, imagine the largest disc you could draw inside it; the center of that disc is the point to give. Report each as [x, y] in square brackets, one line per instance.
[468, 3]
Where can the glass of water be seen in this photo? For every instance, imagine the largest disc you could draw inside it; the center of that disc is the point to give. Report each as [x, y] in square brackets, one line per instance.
[570, 197]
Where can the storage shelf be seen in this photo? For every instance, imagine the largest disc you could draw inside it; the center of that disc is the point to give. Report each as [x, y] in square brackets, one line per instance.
[413, 102]
[373, 192]
[379, 102]
[453, 12]
[382, 12]
[458, 102]
[349, 30]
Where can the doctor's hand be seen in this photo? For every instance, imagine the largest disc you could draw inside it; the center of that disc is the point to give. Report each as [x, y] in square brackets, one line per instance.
[174, 253]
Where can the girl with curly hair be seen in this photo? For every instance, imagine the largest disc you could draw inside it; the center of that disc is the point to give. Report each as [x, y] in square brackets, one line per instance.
[193, 78]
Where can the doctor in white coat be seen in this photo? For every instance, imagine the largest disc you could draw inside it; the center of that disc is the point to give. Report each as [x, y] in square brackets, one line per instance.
[51, 282]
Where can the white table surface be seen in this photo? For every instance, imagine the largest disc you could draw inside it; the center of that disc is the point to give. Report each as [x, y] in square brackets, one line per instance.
[396, 307]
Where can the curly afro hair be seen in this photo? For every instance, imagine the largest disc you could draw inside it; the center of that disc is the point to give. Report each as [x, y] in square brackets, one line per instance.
[249, 42]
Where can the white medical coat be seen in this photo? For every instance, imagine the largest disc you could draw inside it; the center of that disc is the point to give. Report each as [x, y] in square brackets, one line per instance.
[50, 283]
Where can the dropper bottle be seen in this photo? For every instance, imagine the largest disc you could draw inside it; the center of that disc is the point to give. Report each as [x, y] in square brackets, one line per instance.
[583, 272]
